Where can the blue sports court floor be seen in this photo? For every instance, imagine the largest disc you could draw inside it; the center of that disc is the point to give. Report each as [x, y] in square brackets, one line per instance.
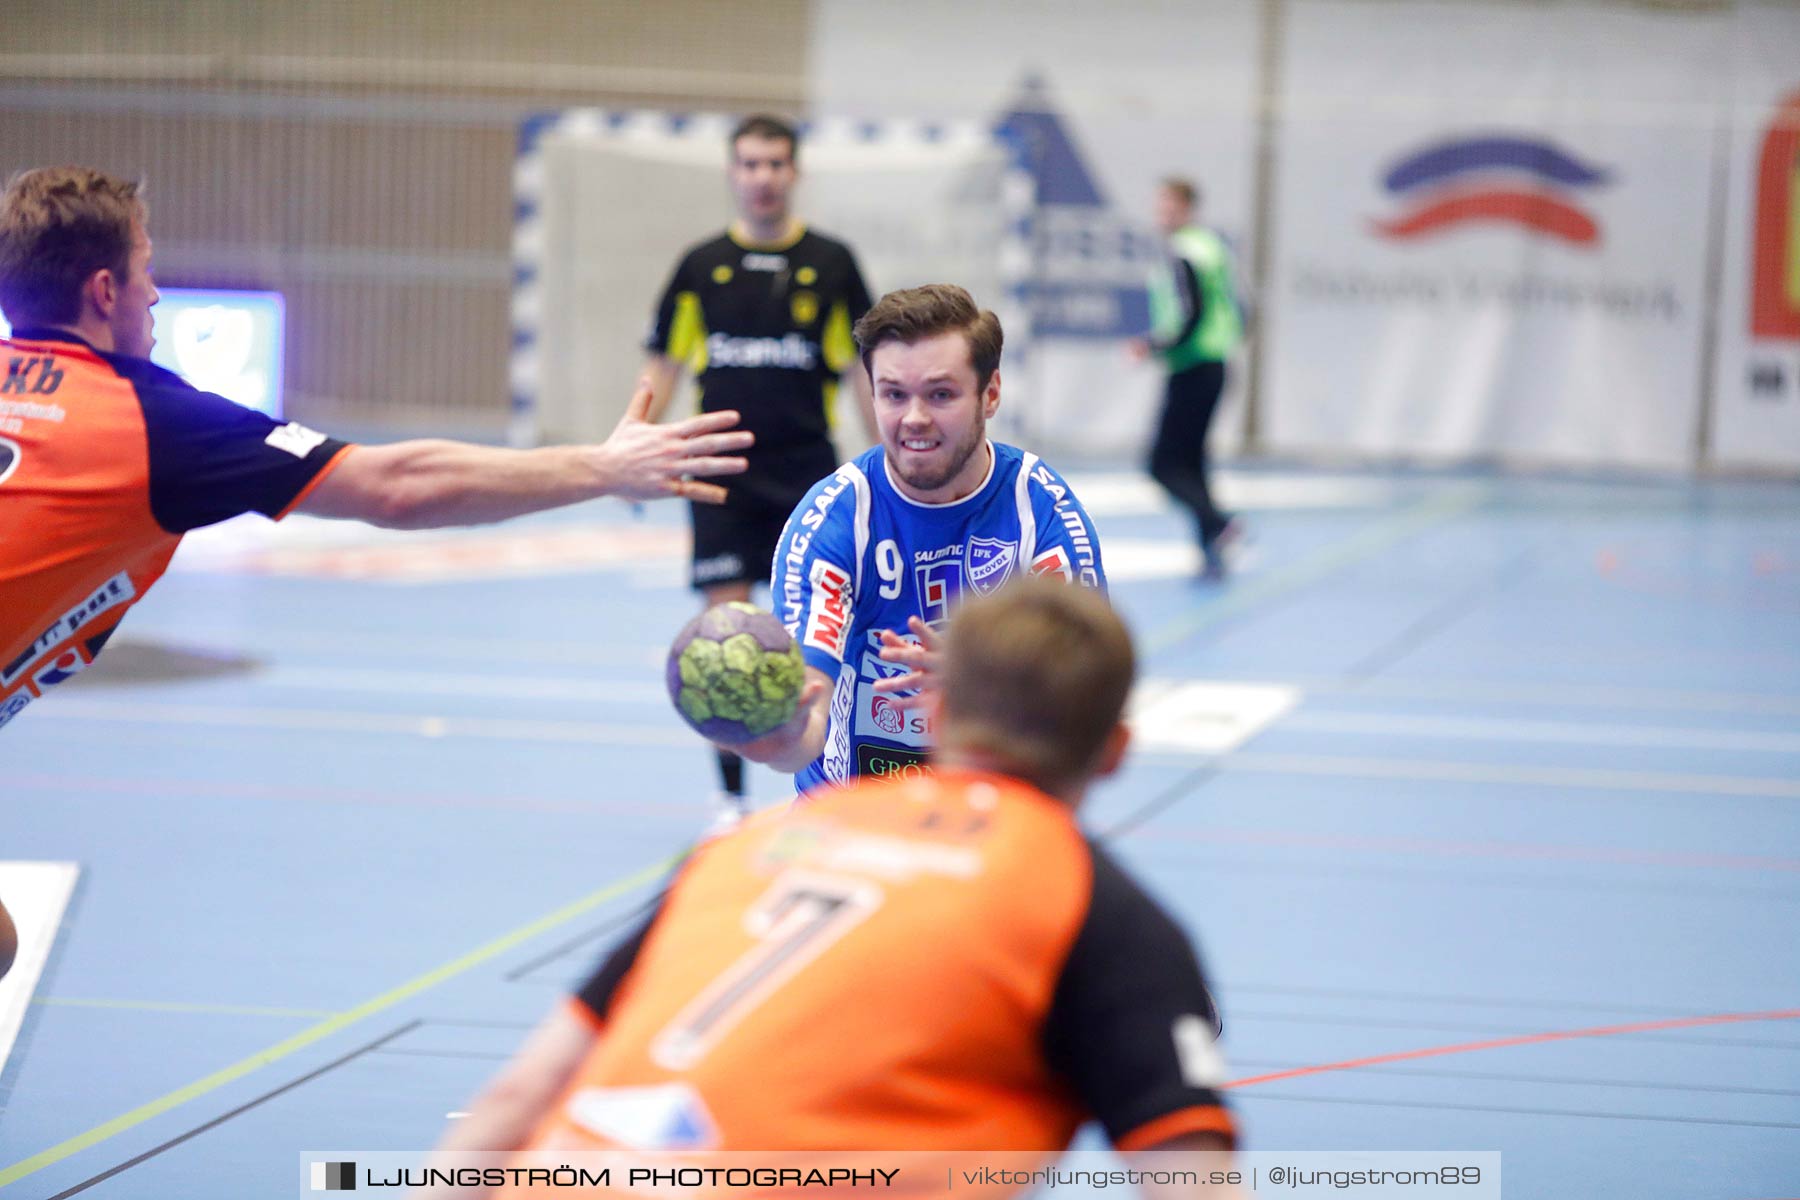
[1492, 780]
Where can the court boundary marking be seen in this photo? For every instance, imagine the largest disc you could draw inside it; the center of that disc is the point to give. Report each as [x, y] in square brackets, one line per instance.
[241, 1109]
[1526, 1039]
[324, 1029]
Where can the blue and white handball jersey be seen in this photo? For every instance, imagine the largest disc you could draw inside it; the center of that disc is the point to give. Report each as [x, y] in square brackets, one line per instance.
[858, 557]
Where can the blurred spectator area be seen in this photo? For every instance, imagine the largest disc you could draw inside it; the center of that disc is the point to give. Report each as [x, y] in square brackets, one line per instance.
[357, 156]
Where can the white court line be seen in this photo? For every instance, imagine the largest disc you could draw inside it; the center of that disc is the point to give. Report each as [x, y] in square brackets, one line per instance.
[1590, 778]
[635, 692]
[591, 733]
[574, 651]
[36, 894]
[638, 692]
[1573, 733]
[337, 721]
[1568, 695]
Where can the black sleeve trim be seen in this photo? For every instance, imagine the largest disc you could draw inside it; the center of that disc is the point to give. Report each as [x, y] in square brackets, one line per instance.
[1126, 1010]
[598, 992]
[211, 458]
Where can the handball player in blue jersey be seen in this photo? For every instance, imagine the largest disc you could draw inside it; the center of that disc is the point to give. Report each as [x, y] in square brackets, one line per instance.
[878, 554]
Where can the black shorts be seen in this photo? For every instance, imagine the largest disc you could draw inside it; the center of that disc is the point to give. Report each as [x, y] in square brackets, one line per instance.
[734, 545]
[735, 542]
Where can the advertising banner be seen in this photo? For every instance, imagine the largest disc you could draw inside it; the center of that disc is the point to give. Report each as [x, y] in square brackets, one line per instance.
[1490, 234]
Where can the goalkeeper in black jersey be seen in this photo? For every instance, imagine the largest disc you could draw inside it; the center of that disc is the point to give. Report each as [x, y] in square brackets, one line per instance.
[762, 315]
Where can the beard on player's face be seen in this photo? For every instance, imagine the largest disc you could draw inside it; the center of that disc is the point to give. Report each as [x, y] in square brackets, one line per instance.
[938, 470]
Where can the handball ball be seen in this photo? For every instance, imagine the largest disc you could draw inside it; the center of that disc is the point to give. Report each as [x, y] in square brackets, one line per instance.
[734, 673]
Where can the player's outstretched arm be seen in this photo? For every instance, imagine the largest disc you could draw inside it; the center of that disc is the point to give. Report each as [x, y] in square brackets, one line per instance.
[427, 484]
[505, 1112]
[802, 739]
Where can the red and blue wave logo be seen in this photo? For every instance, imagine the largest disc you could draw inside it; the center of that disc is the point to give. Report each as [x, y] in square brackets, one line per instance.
[1525, 182]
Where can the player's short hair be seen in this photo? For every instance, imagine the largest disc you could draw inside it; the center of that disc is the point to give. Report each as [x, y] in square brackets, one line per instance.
[1182, 188]
[58, 225]
[764, 125]
[913, 314]
[1035, 677]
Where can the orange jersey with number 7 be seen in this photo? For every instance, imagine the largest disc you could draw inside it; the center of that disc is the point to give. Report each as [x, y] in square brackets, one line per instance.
[932, 963]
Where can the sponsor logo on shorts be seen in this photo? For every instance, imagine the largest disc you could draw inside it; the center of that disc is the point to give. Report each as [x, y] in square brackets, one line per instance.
[719, 566]
[828, 620]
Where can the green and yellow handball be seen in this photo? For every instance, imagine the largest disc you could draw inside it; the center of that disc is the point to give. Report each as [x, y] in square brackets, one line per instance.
[734, 673]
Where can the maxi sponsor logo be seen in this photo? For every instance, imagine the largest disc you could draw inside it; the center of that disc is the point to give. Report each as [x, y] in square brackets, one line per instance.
[828, 622]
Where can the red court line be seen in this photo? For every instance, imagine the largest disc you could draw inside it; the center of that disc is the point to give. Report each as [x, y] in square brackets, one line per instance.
[1528, 1039]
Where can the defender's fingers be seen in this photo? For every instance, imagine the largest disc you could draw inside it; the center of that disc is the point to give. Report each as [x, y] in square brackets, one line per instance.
[717, 443]
[901, 683]
[714, 466]
[702, 493]
[711, 422]
[639, 408]
[926, 634]
[916, 700]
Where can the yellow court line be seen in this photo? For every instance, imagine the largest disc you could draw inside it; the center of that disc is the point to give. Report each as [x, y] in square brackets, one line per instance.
[326, 1028]
[175, 1006]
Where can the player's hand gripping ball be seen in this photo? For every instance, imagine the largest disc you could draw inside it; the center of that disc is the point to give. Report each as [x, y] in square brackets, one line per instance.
[734, 673]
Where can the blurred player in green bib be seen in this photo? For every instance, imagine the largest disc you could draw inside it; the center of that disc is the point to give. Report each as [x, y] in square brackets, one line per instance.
[1194, 327]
